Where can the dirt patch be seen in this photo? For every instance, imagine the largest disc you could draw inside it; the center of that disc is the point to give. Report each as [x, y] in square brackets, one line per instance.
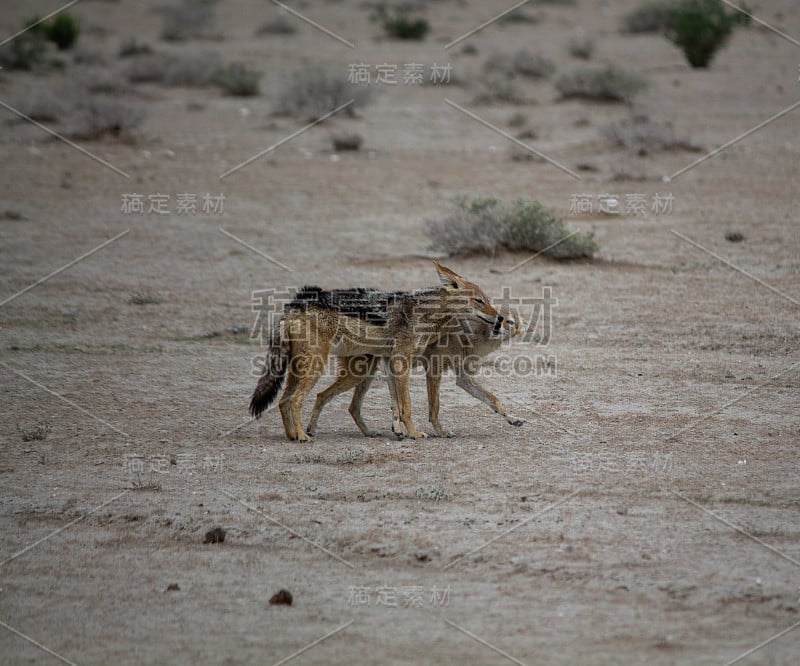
[647, 511]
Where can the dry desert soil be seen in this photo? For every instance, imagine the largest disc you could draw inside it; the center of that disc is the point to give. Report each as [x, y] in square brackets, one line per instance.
[647, 512]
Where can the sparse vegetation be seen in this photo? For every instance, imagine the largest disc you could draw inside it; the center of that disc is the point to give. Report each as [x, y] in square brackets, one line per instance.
[581, 46]
[347, 141]
[277, 26]
[133, 47]
[701, 27]
[25, 52]
[610, 83]
[315, 90]
[143, 298]
[517, 119]
[190, 19]
[469, 49]
[401, 23]
[432, 494]
[519, 16]
[45, 106]
[150, 484]
[522, 62]
[533, 65]
[642, 136]
[650, 16]
[498, 89]
[191, 71]
[106, 117]
[519, 154]
[484, 226]
[238, 80]
[88, 56]
[37, 433]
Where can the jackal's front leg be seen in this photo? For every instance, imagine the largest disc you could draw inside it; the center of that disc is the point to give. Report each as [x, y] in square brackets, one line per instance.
[433, 380]
[399, 369]
[466, 382]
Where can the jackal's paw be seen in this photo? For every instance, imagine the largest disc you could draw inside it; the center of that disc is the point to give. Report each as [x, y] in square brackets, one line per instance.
[515, 421]
[372, 433]
[305, 437]
[417, 434]
[441, 432]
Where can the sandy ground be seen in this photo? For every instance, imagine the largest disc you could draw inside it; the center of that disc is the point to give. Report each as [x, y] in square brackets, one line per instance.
[647, 512]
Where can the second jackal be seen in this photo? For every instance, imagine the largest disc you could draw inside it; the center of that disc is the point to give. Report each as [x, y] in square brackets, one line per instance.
[462, 354]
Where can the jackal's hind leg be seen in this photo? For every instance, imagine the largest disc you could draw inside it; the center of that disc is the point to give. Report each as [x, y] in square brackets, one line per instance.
[284, 406]
[355, 407]
[309, 369]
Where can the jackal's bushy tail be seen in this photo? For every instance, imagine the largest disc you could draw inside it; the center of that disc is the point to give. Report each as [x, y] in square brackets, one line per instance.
[270, 383]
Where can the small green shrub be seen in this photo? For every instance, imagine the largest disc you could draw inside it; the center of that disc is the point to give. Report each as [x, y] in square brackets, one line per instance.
[401, 24]
[611, 83]
[63, 31]
[237, 79]
[30, 50]
[700, 28]
[650, 16]
[485, 225]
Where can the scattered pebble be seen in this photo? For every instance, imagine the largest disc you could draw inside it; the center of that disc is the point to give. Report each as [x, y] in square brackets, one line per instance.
[734, 236]
[281, 598]
[216, 535]
[173, 587]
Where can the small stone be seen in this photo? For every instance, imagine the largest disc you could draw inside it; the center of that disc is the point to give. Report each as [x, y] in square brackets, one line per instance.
[281, 598]
[216, 535]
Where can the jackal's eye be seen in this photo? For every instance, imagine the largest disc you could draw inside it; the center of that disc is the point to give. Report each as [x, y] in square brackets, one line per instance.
[480, 301]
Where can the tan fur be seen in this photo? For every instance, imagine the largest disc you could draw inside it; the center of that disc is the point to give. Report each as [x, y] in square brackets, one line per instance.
[415, 322]
[459, 354]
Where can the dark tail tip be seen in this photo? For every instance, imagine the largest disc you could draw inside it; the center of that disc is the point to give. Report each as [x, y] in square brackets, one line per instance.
[268, 387]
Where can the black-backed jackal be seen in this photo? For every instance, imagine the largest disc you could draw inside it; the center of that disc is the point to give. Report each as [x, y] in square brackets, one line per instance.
[395, 326]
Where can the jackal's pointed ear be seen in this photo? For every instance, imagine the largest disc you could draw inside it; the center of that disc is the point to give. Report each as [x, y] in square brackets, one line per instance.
[449, 279]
